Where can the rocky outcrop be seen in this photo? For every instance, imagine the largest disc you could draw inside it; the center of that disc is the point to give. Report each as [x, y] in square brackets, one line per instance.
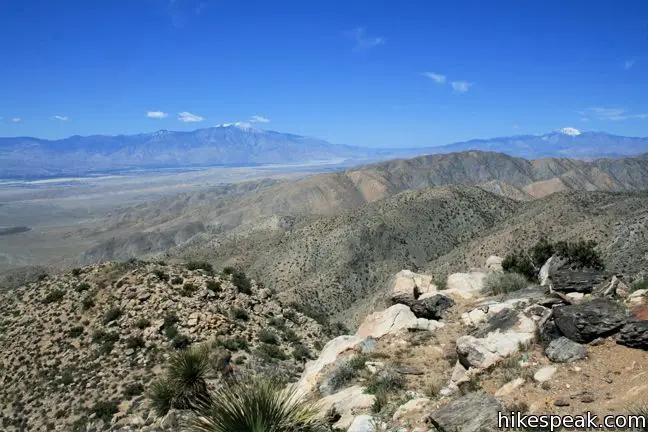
[634, 335]
[407, 286]
[590, 320]
[431, 307]
[557, 273]
[346, 404]
[465, 285]
[563, 350]
[392, 320]
[475, 412]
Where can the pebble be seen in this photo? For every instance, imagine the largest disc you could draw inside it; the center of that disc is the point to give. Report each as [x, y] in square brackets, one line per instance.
[561, 403]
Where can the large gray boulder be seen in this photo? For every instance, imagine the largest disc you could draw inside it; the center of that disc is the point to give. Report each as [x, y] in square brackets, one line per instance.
[563, 350]
[432, 307]
[474, 412]
[558, 274]
[587, 321]
[634, 335]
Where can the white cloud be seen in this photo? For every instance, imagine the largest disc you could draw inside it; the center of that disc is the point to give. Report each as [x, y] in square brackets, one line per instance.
[259, 119]
[16, 120]
[156, 114]
[364, 41]
[437, 78]
[629, 63]
[586, 119]
[61, 118]
[461, 86]
[516, 126]
[612, 114]
[187, 117]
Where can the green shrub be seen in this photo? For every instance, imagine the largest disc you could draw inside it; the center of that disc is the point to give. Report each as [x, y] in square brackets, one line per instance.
[290, 336]
[180, 342]
[200, 265]
[441, 282]
[142, 323]
[341, 374]
[380, 402]
[87, 303]
[242, 283]
[135, 342]
[502, 283]
[100, 336]
[266, 336]
[161, 275]
[176, 280]
[268, 352]
[520, 263]
[75, 332]
[238, 313]
[387, 381]
[104, 410]
[580, 254]
[53, 296]
[188, 289]
[234, 344]
[133, 390]
[170, 319]
[357, 362]
[639, 284]
[301, 352]
[257, 404]
[112, 314]
[229, 270]
[83, 286]
[76, 271]
[213, 285]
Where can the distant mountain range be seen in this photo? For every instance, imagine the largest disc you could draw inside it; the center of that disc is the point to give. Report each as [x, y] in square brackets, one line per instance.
[25, 157]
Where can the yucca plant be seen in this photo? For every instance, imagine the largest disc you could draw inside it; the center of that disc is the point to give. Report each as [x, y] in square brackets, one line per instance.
[185, 385]
[257, 405]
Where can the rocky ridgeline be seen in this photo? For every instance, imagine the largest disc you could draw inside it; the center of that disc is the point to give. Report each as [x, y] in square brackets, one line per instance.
[448, 360]
[78, 351]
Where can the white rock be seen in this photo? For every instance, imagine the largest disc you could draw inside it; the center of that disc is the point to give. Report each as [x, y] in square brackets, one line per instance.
[494, 263]
[466, 285]
[575, 296]
[348, 402]
[413, 410]
[545, 373]
[408, 286]
[481, 313]
[330, 353]
[638, 293]
[508, 388]
[362, 423]
[389, 321]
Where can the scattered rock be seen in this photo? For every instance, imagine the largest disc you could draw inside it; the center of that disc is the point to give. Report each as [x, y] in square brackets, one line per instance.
[509, 387]
[494, 263]
[588, 398]
[563, 350]
[474, 412]
[407, 370]
[347, 403]
[412, 411]
[465, 285]
[634, 335]
[561, 402]
[432, 307]
[585, 322]
[362, 423]
[407, 286]
[545, 374]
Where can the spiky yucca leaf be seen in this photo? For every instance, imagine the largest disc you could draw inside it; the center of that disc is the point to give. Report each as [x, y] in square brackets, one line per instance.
[187, 374]
[257, 405]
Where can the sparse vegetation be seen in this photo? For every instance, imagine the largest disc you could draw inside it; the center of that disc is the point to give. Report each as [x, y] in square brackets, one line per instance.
[188, 290]
[270, 352]
[76, 271]
[104, 410]
[112, 314]
[53, 296]
[180, 341]
[240, 314]
[213, 285]
[387, 381]
[301, 352]
[161, 275]
[135, 342]
[200, 265]
[342, 374]
[142, 323]
[234, 344]
[75, 332]
[242, 283]
[502, 283]
[83, 286]
[133, 390]
[639, 284]
[266, 336]
[176, 280]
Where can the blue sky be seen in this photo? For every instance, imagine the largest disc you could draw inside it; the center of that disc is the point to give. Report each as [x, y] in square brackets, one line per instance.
[372, 73]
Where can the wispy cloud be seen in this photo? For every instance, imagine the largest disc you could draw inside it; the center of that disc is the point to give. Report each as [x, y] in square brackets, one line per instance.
[156, 114]
[461, 86]
[363, 41]
[437, 78]
[188, 117]
[629, 63]
[611, 114]
[16, 120]
[259, 119]
[60, 118]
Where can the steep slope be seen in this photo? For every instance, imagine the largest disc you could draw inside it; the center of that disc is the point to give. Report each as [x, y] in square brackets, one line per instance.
[617, 221]
[340, 260]
[92, 341]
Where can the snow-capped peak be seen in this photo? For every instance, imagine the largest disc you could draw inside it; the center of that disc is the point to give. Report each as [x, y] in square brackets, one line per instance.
[570, 131]
[238, 125]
